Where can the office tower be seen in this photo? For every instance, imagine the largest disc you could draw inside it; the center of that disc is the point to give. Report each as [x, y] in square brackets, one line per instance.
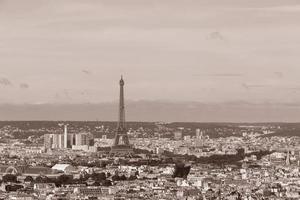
[287, 160]
[70, 140]
[65, 136]
[55, 143]
[84, 139]
[78, 140]
[60, 141]
[198, 131]
[48, 141]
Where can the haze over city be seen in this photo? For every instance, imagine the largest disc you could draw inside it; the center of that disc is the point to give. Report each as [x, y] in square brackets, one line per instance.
[234, 60]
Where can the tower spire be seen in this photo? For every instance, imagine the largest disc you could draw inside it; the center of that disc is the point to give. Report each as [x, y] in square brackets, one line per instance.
[121, 124]
[121, 142]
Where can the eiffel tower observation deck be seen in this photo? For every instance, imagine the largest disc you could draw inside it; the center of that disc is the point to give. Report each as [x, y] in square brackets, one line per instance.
[121, 142]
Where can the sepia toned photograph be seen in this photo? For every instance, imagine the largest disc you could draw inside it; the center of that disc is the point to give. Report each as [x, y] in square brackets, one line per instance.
[149, 99]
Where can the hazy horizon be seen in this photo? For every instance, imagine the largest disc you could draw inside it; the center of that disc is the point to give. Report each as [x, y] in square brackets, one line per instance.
[166, 111]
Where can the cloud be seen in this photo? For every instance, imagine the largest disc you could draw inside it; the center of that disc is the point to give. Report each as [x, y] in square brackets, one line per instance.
[244, 85]
[250, 86]
[67, 94]
[294, 89]
[57, 95]
[216, 36]
[84, 92]
[5, 82]
[279, 74]
[285, 8]
[227, 75]
[87, 72]
[24, 86]
[221, 74]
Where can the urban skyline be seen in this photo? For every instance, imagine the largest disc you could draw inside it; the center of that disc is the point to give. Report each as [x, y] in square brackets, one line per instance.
[149, 99]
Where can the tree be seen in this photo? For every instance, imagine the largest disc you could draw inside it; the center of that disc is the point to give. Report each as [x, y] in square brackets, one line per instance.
[42, 179]
[107, 183]
[64, 179]
[28, 179]
[13, 188]
[115, 178]
[96, 184]
[108, 174]
[132, 178]
[123, 178]
[99, 176]
[9, 178]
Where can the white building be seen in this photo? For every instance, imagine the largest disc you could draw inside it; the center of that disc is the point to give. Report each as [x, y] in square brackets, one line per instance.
[65, 168]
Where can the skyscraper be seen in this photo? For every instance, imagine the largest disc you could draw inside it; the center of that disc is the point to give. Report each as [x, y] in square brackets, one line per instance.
[60, 141]
[287, 160]
[84, 139]
[65, 136]
[121, 143]
[48, 141]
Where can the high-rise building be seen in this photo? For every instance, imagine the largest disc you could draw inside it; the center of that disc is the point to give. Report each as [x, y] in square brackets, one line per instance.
[60, 141]
[84, 139]
[70, 140]
[78, 139]
[84, 142]
[55, 144]
[287, 160]
[48, 141]
[65, 136]
[121, 142]
[198, 131]
[65, 140]
[199, 137]
[53, 141]
[199, 134]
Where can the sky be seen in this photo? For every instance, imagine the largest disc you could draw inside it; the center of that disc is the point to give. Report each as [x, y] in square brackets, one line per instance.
[208, 51]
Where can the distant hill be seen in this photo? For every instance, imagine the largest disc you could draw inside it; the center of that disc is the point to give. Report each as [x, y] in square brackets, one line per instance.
[284, 133]
[155, 111]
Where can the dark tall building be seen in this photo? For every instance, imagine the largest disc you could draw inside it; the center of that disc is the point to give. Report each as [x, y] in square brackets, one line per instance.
[121, 143]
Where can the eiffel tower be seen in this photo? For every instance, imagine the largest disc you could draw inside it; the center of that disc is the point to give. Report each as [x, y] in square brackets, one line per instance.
[121, 142]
